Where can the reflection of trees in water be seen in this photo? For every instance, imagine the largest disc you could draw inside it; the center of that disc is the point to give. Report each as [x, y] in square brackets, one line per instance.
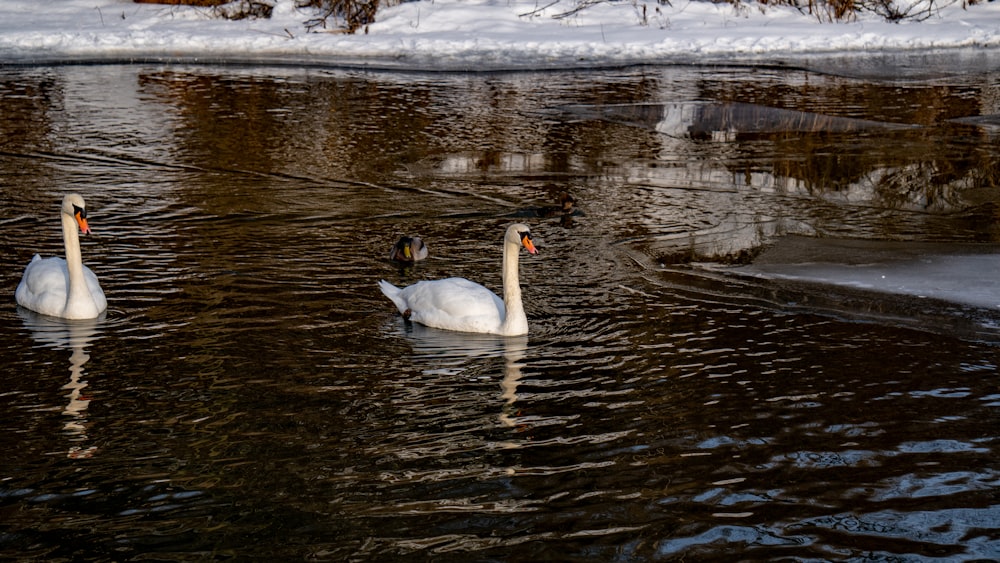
[26, 125]
[357, 126]
[732, 175]
[361, 126]
[828, 135]
[27, 105]
[830, 140]
[904, 161]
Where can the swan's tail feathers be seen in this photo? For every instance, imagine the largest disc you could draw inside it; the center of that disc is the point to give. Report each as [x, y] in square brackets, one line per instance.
[394, 295]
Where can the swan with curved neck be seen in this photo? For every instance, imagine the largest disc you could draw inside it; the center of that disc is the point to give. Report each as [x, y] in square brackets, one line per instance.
[463, 305]
[59, 287]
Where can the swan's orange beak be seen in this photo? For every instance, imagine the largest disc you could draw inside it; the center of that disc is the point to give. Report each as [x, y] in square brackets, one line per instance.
[526, 241]
[82, 221]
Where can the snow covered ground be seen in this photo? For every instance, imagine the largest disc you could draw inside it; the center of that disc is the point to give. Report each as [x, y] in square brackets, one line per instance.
[475, 34]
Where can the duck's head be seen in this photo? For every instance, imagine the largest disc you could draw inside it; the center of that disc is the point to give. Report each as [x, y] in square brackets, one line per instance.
[408, 249]
[567, 202]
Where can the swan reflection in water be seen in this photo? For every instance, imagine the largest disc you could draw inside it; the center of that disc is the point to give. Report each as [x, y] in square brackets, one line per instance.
[455, 351]
[73, 335]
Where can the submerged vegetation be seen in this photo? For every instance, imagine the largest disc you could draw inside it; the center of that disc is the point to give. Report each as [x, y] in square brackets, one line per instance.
[349, 16]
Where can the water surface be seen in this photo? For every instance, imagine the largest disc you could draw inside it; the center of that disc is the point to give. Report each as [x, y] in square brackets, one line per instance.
[250, 394]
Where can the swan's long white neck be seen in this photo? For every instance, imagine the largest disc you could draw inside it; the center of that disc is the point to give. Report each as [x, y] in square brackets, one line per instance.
[77, 294]
[515, 323]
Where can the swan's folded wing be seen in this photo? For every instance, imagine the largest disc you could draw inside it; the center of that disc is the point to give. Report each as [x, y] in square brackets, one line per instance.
[43, 285]
[454, 304]
[94, 286]
[44, 275]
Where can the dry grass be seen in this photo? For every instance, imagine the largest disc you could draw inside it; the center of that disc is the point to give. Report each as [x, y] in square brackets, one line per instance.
[838, 10]
[351, 15]
[203, 3]
[348, 15]
[824, 10]
[229, 9]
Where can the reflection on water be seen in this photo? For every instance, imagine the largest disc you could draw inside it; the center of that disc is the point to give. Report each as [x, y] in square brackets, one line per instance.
[688, 390]
[453, 354]
[75, 336]
[513, 357]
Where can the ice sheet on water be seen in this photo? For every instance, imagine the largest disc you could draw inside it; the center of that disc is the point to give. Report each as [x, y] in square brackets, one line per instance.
[951, 289]
[698, 119]
[968, 274]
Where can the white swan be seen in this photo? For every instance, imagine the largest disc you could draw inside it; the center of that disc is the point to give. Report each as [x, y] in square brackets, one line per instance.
[63, 288]
[462, 305]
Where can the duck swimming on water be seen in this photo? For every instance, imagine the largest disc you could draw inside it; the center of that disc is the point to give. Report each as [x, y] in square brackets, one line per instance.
[408, 250]
[566, 206]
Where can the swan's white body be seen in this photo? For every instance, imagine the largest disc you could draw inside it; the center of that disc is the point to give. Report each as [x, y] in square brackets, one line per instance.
[462, 305]
[60, 287]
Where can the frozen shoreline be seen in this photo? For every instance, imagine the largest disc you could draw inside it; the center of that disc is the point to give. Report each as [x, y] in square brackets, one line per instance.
[904, 65]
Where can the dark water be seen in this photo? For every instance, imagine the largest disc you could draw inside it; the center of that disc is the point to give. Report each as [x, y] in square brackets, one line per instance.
[251, 395]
